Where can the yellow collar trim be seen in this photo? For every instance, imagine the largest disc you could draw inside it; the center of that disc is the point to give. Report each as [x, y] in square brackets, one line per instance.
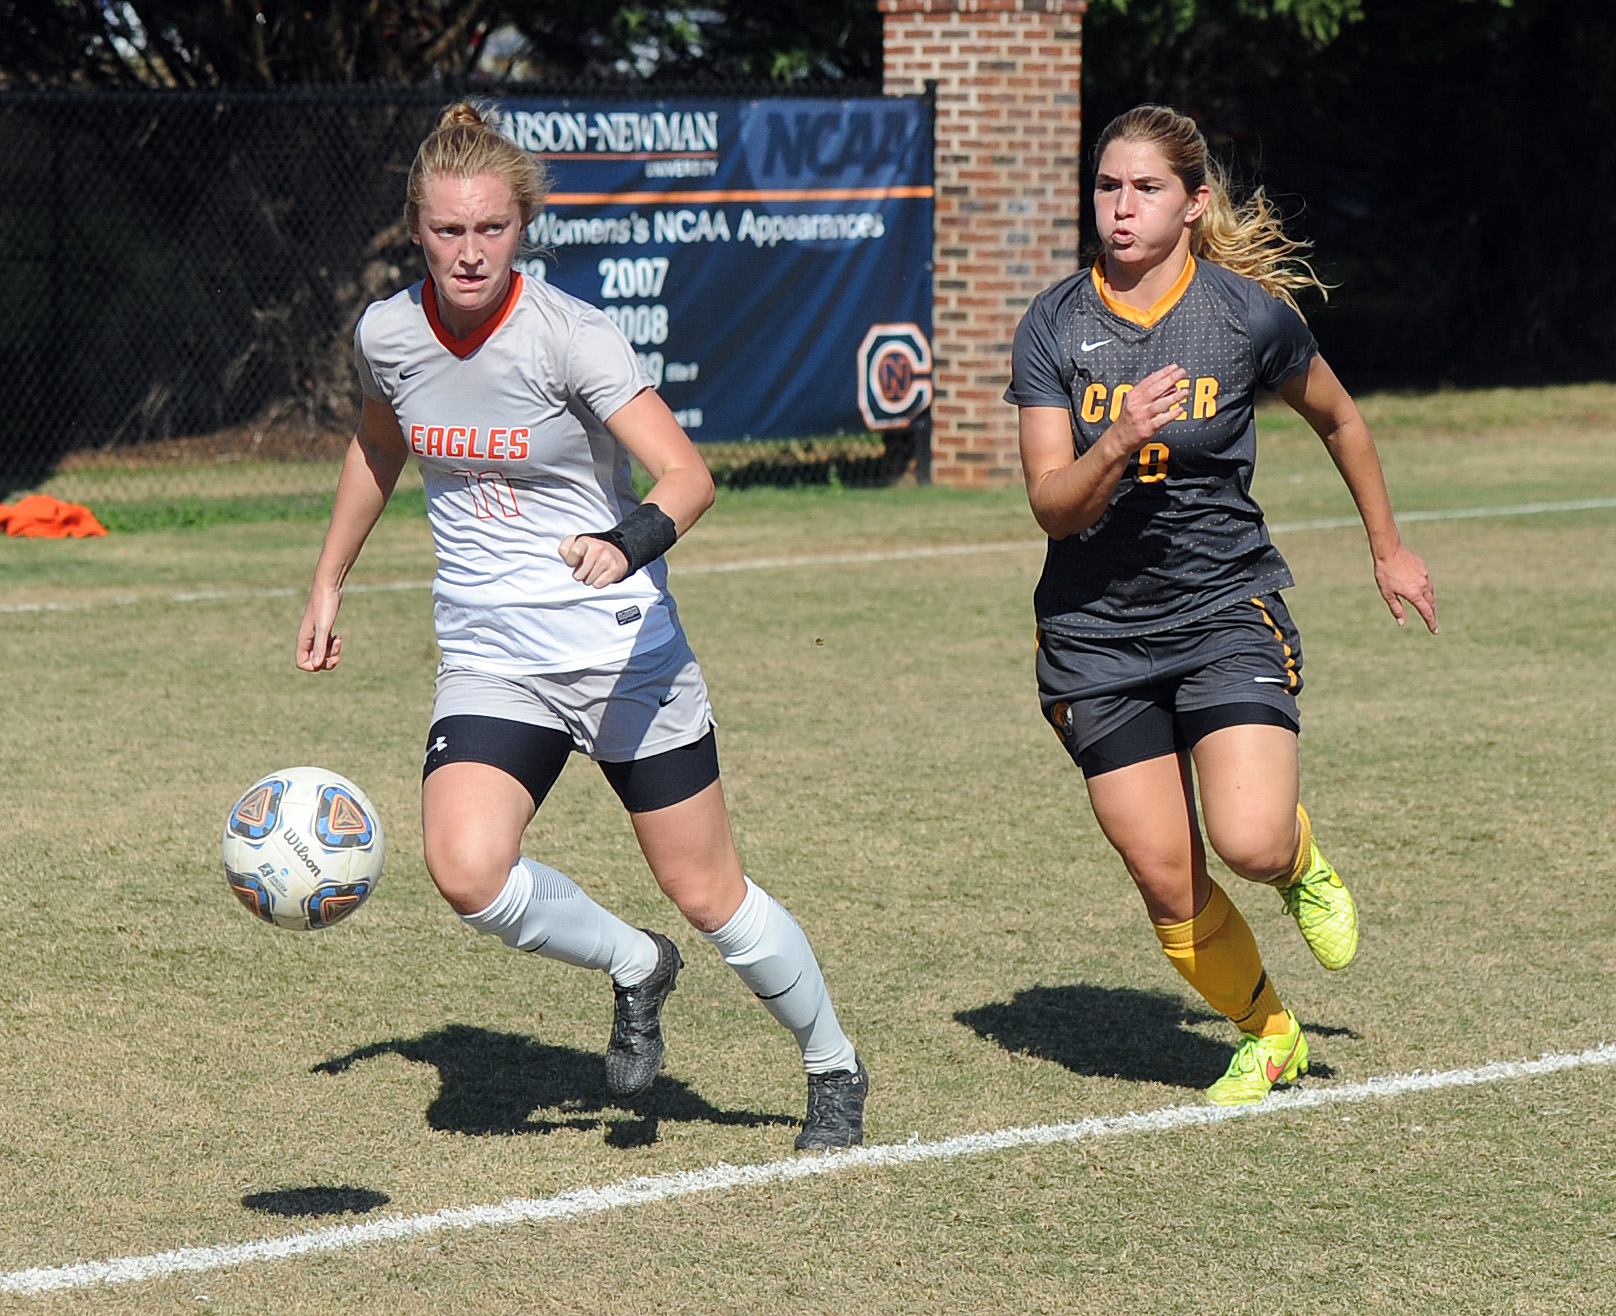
[1163, 304]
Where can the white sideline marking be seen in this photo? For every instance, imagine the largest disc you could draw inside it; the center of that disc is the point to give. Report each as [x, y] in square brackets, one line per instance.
[812, 560]
[1455, 514]
[717, 1178]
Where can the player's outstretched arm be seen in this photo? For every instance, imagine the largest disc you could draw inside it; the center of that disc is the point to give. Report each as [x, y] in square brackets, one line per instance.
[681, 491]
[1320, 399]
[375, 457]
[1069, 493]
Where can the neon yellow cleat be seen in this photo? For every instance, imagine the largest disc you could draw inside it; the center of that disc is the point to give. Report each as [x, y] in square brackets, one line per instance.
[1258, 1064]
[1322, 907]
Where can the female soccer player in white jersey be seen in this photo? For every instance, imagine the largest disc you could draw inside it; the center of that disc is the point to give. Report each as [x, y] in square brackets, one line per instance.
[1166, 658]
[522, 406]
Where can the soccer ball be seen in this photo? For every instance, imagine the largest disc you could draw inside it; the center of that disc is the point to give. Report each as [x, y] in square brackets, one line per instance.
[303, 848]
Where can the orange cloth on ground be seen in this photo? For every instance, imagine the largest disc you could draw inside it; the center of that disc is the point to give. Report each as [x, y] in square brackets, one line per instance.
[39, 516]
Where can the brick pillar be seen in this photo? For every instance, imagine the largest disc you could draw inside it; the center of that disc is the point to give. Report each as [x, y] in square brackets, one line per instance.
[1008, 121]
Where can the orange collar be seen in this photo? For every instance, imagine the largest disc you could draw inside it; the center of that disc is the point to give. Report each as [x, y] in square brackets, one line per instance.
[1164, 303]
[464, 347]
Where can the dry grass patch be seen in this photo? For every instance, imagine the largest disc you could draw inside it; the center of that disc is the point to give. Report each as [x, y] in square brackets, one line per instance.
[179, 1075]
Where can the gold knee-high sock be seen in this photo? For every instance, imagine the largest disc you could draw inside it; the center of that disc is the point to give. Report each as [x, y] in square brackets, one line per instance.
[1304, 850]
[1217, 955]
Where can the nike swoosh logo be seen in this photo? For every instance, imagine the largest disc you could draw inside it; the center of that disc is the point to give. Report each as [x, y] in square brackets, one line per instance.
[667, 699]
[1274, 1071]
[410, 374]
[1089, 347]
[1271, 680]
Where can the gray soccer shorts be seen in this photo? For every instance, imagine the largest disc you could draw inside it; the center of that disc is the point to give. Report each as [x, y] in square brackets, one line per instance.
[648, 723]
[1114, 702]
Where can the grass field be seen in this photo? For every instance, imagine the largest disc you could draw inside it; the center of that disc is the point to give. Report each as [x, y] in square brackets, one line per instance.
[175, 1075]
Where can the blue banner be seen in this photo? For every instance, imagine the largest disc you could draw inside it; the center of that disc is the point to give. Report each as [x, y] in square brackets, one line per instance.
[770, 260]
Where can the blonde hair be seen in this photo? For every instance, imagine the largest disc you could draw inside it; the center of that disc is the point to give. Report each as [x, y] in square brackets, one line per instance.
[465, 143]
[1248, 238]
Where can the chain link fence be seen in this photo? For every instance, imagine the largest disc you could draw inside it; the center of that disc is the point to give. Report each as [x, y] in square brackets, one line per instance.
[180, 275]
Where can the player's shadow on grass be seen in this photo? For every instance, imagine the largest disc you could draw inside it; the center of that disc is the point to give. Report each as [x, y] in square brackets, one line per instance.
[319, 1199]
[1114, 1032]
[492, 1083]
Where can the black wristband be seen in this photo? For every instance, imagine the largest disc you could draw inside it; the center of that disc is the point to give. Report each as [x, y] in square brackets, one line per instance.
[642, 536]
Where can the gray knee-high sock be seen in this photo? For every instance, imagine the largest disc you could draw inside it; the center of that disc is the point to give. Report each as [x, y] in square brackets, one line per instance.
[546, 912]
[770, 952]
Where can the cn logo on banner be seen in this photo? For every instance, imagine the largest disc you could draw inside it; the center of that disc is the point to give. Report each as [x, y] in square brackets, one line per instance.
[894, 374]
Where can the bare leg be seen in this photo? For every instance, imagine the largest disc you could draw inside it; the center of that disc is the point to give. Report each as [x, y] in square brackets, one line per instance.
[472, 818]
[1250, 780]
[1147, 812]
[691, 851]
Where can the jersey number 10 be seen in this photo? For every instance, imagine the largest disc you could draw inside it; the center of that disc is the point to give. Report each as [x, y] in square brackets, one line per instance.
[491, 494]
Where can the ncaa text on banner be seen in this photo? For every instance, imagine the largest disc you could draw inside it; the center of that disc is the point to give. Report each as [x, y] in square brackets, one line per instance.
[760, 255]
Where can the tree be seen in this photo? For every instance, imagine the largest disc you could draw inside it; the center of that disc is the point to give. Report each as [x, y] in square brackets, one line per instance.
[1408, 126]
[237, 43]
[251, 44]
[1417, 133]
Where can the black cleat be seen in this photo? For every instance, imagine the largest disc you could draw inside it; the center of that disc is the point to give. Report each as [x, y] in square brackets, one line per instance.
[634, 1055]
[835, 1109]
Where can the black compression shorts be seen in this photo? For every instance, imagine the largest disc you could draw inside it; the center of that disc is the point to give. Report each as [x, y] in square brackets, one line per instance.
[1115, 702]
[535, 755]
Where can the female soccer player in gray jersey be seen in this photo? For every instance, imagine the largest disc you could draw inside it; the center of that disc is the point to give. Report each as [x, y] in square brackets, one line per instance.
[1166, 658]
[522, 406]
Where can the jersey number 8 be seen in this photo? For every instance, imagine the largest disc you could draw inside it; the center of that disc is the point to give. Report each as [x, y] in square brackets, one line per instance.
[1153, 463]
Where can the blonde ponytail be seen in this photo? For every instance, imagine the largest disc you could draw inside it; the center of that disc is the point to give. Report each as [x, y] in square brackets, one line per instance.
[1247, 238]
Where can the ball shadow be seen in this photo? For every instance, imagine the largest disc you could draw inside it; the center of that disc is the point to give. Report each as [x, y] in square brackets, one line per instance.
[318, 1199]
[493, 1083]
[1113, 1032]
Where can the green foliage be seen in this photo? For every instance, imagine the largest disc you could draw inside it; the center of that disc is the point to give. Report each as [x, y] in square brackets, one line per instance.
[750, 40]
[1395, 136]
[1319, 21]
[170, 43]
[207, 513]
[1157, 22]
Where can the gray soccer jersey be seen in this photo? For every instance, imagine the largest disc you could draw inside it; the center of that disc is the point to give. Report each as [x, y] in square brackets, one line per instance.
[508, 426]
[1182, 536]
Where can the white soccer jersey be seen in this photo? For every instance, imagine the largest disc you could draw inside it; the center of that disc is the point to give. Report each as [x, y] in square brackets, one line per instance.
[508, 427]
